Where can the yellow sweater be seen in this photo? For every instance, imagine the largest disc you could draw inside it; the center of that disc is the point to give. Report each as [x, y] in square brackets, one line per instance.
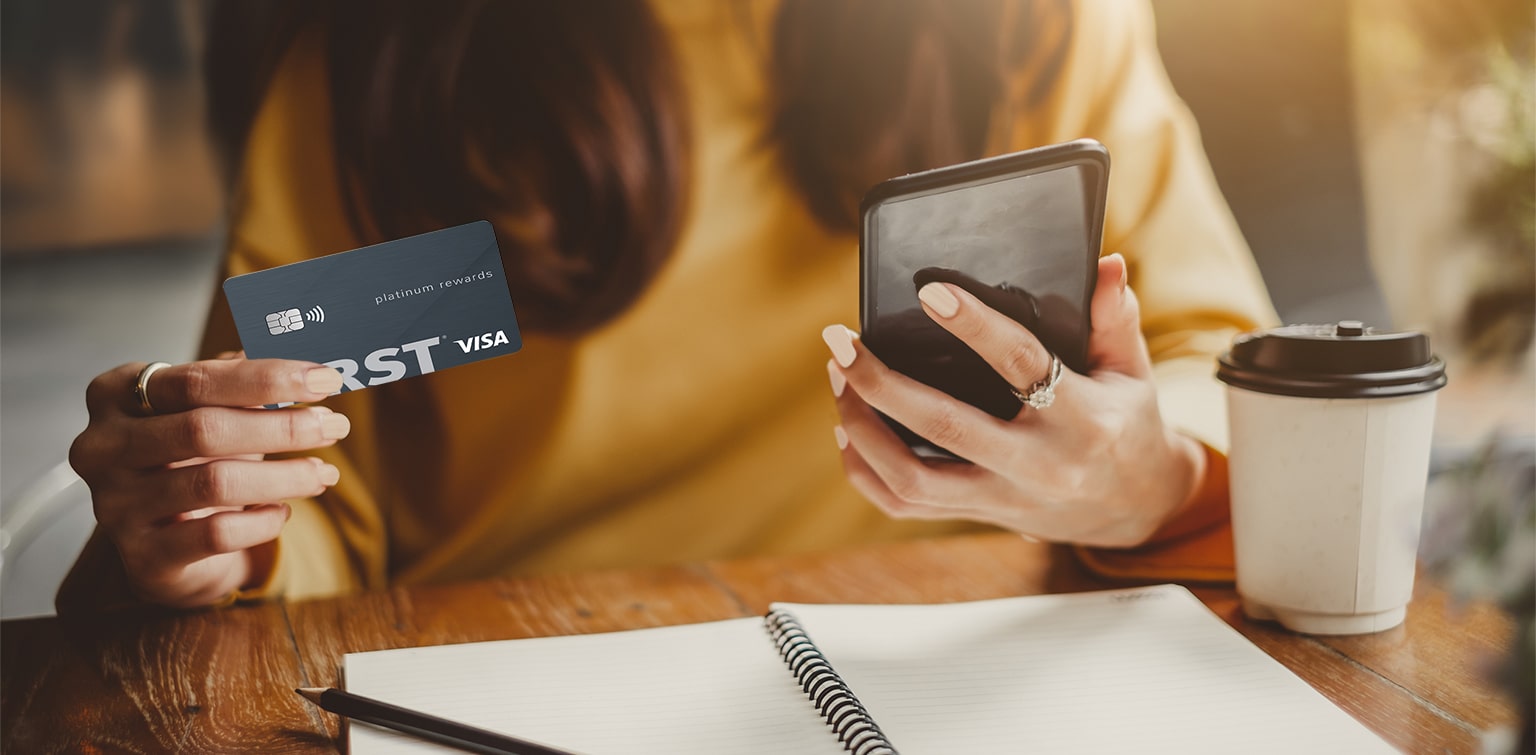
[699, 423]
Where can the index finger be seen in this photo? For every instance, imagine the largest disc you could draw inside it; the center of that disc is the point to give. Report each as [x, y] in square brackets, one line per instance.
[947, 422]
[239, 383]
[1008, 347]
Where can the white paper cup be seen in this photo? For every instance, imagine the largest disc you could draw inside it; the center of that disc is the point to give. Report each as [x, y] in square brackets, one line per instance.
[1330, 438]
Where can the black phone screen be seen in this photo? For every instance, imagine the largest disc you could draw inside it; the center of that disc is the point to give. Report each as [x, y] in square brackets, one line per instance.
[1020, 232]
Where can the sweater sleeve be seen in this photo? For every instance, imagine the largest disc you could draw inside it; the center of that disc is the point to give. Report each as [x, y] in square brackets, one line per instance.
[1192, 272]
[284, 206]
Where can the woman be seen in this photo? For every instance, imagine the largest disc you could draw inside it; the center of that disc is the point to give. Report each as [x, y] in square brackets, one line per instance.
[674, 187]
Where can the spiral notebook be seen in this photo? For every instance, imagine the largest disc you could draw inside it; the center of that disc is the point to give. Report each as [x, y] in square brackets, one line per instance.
[1138, 670]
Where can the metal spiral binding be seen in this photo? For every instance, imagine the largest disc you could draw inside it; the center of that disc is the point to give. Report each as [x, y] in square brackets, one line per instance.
[836, 703]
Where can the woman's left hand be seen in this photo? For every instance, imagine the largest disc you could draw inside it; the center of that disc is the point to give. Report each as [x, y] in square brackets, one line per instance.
[1097, 467]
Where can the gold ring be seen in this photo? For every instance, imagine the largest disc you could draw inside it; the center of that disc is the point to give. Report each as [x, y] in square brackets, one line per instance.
[1043, 393]
[141, 386]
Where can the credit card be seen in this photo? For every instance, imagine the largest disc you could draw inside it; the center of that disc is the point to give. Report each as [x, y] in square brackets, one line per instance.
[385, 312]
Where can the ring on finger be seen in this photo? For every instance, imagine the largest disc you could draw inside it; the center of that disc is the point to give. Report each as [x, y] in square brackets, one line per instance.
[1043, 393]
[141, 387]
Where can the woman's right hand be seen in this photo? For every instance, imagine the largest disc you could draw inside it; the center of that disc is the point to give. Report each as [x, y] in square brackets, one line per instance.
[185, 493]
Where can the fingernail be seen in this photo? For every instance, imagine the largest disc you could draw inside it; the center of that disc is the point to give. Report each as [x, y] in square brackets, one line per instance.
[940, 299]
[840, 340]
[322, 380]
[1125, 272]
[335, 426]
[841, 436]
[329, 474]
[838, 381]
[287, 511]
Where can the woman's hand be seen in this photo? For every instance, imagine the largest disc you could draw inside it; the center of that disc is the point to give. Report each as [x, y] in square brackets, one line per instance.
[1097, 467]
[184, 493]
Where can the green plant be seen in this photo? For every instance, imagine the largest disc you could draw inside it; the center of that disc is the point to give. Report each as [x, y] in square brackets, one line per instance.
[1480, 538]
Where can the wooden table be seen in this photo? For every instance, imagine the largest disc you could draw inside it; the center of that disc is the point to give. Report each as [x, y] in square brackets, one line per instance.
[222, 681]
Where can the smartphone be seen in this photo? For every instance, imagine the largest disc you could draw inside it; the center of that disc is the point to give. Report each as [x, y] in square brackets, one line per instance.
[1021, 232]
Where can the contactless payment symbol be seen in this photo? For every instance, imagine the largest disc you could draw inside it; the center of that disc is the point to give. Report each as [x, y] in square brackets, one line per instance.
[290, 320]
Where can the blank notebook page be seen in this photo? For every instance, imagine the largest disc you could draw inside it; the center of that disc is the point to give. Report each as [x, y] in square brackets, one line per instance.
[1152, 670]
[702, 688]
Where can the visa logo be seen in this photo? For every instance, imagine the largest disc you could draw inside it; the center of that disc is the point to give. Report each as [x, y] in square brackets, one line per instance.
[483, 341]
[387, 365]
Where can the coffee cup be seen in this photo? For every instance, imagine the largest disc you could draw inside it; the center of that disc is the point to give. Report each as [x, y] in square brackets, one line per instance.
[1330, 437]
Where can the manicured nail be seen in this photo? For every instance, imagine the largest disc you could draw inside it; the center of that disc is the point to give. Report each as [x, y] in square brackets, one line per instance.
[840, 340]
[940, 299]
[329, 474]
[1125, 272]
[838, 381]
[322, 380]
[335, 426]
[841, 436]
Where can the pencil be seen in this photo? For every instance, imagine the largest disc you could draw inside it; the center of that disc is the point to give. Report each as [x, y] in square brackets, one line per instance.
[425, 726]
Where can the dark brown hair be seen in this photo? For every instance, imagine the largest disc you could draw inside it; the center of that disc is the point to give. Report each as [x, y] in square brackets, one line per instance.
[563, 122]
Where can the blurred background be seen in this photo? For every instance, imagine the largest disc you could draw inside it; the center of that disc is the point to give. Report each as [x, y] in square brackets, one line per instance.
[1377, 154]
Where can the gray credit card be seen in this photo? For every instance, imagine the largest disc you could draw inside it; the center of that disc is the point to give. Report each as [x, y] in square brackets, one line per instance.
[384, 312]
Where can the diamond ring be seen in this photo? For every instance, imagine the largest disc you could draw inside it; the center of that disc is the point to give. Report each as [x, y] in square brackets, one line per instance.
[1042, 393]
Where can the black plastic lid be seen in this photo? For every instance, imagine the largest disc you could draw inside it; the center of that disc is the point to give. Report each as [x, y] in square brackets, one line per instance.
[1343, 360]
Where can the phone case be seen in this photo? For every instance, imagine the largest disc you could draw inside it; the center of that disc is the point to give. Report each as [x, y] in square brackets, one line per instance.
[1088, 155]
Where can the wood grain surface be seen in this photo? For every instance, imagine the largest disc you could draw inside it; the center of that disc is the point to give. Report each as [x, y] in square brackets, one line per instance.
[222, 681]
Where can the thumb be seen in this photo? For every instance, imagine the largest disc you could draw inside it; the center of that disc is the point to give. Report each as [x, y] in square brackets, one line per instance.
[1116, 344]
